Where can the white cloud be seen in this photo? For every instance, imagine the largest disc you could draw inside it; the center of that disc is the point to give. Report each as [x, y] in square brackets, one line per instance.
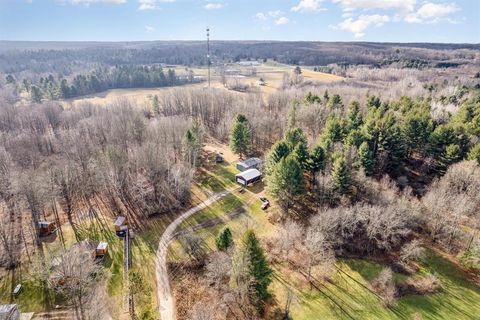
[261, 16]
[399, 5]
[147, 4]
[281, 21]
[149, 29]
[151, 4]
[432, 12]
[308, 6]
[358, 26]
[89, 2]
[214, 5]
[275, 14]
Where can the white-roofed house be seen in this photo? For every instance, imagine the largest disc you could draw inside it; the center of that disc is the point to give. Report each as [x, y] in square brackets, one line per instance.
[248, 177]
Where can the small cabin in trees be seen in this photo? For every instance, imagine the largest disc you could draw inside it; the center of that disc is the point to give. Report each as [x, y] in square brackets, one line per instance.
[248, 177]
[251, 163]
[46, 228]
[101, 250]
[9, 312]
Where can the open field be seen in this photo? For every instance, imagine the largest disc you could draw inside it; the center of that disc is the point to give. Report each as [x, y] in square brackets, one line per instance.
[272, 73]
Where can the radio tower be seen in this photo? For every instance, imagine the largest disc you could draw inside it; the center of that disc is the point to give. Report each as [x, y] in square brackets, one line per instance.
[208, 54]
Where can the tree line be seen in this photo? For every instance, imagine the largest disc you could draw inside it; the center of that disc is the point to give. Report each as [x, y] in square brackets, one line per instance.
[101, 79]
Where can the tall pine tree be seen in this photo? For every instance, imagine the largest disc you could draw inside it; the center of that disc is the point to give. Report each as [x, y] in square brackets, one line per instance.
[241, 136]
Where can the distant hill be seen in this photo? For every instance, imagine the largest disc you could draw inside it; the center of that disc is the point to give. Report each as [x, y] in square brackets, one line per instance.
[64, 57]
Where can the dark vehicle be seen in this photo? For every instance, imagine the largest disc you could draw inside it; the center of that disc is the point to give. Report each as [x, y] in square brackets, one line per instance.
[219, 157]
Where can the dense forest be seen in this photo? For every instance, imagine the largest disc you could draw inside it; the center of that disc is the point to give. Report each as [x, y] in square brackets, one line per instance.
[65, 58]
[51, 88]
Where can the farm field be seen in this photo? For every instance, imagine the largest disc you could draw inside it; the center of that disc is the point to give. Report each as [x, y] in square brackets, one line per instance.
[272, 73]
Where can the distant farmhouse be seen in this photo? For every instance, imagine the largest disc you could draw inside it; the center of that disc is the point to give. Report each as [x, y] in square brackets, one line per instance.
[251, 63]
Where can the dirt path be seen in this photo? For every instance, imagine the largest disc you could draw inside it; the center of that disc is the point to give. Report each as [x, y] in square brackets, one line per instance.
[164, 293]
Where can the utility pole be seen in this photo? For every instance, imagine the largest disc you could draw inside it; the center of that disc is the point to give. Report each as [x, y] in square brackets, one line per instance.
[208, 54]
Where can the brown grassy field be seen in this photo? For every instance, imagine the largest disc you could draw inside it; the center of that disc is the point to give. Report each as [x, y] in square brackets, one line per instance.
[272, 73]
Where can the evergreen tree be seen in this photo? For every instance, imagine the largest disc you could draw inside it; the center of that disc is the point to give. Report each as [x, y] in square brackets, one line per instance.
[335, 102]
[293, 137]
[286, 181]
[474, 153]
[35, 94]
[300, 152]
[354, 116]
[258, 268]
[334, 129]
[312, 98]
[417, 130]
[445, 135]
[156, 104]
[297, 70]
[326, 97]
[10, 79]
[316, 160]
[451, 155]
[366, 158]
[341, 175]
[354, 138]
[240, 136]
[373, 102]
[224, 240]
[279, 150]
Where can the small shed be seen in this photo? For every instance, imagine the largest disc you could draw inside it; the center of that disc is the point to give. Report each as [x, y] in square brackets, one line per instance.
[251, 163]
[101, 250]
[9, 312]
[46, 228]
[120, 223]
[248, 177]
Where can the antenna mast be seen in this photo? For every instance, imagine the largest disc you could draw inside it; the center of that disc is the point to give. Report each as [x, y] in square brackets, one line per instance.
[208, 54]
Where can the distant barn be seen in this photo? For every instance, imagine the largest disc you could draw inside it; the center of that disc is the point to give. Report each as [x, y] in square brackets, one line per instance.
[251, 163]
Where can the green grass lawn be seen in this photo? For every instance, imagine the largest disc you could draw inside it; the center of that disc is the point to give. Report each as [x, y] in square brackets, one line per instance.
[457, 299]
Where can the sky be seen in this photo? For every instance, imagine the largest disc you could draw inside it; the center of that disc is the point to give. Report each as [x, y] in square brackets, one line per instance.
[453, 21]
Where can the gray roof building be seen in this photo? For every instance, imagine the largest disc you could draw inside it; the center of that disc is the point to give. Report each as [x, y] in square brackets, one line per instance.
[9, 312]
[251, 163]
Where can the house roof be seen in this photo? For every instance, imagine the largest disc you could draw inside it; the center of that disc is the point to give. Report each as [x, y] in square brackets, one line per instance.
[102, 246]
[250, 162]
[249, 174]
[7, 308]
[119, 221]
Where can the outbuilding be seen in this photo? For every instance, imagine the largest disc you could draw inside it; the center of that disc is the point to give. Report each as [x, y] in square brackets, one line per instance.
[101, 250]
[248, 177]
[120, 223]
[9, 312]
[46, 228]
[251, 163]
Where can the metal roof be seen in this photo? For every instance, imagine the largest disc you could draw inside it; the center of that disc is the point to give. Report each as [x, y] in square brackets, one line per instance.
[119, 221]
[249, 174]
[6, 309]
[102, 246]
[250, 162]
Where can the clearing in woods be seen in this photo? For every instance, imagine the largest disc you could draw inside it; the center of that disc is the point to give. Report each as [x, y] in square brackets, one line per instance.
[272, 73]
